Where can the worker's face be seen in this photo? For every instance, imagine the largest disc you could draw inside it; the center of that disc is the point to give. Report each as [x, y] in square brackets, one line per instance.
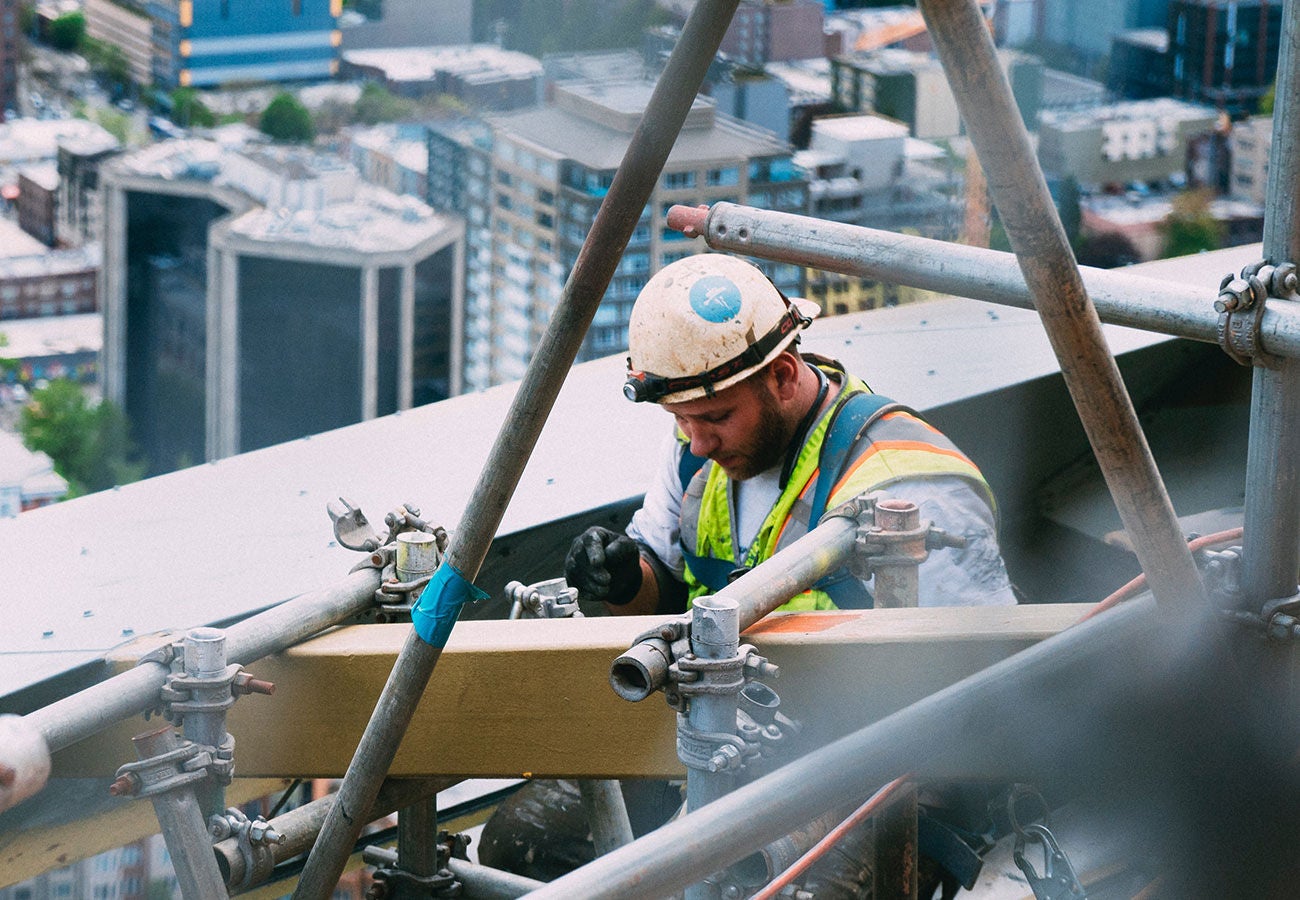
[741, 428]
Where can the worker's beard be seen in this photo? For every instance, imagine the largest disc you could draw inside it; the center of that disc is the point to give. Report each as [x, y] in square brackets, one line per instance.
[767, 444]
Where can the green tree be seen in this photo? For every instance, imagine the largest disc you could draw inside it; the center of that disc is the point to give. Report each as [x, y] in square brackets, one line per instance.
[189, 111]
[286, 119]
[89, 443]
[378, 104]
[1266, 101]
[1190, 227]
[67, 31]
[7, 364]
[109, 64]
[115, 123]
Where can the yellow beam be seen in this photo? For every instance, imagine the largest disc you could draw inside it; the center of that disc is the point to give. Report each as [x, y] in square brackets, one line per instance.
[512, 698]
[27, 853]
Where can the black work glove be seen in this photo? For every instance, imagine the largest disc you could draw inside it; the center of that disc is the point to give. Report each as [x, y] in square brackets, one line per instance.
[604, 565]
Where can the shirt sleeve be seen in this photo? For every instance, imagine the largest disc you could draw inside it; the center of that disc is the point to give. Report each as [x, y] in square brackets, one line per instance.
[974, 575]
[657, 524]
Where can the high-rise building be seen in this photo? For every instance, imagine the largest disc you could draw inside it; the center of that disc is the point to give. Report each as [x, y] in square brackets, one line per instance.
[1224, 53]
[260, 294]
[529, 185]
[911, 86]
[9, 50]
[204, 43]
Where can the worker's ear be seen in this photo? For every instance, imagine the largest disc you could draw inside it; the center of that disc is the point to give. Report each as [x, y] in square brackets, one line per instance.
[785, 375]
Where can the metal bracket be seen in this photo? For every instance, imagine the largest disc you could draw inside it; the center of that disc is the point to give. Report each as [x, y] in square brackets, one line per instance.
[189, 763]
[254, 838]
[391, 881]
[407, 556]
[550, 599]
[1241, 305]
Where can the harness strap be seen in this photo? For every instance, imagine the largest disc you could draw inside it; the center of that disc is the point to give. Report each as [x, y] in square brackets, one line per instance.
[851, 419]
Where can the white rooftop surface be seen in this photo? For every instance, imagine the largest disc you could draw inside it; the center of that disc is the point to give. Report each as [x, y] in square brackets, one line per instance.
[809, 80]
[45, 175]
[32, 140]
[424, 63]
[1121, 210]
[52, 335]
[375, 221]
[1156, 108]
[858, 128]
[216, 540]
[14, 242]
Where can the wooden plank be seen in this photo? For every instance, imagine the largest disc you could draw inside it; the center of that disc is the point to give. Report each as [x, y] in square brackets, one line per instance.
[524, 698]
[26, 853]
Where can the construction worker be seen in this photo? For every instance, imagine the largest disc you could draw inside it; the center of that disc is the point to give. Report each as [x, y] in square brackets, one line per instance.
[766, 441]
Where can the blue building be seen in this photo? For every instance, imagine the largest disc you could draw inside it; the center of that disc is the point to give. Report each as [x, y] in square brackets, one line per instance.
[204, 43]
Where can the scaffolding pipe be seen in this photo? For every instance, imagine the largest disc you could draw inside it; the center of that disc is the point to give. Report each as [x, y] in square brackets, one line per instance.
[635, 180]
[1016, 184]
[130, 693]
[299, 826]
[1121, 298]
[643, 668]
[1271, 541]
[606, 809]
[1057, 673]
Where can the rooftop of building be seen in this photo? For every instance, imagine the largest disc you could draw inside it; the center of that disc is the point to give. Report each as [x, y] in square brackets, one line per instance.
[1129, 110]
[583, 130]
[1062, 90]
[866, 127]
[404, 143]
[1156, 39]
[43, 175]
[32, 140]
[29, 470]
[16, 243]
[932, 354]
[1129, 209]
[603, 65]
[892, 61]
[53, 335]
[478, 62]
[809, 80]
[300, 196]
[374, 220]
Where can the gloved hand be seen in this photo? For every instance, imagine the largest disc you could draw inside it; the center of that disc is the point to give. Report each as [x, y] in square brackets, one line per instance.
[604, 565]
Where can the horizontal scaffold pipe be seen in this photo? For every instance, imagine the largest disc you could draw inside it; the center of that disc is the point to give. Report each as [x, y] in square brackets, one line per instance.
[991, 711]
[130, 693]
[643, 669]
[1121, 298]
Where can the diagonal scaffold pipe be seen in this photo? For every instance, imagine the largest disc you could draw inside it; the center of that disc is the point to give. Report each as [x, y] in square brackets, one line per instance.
[965, 47]
[633, 183]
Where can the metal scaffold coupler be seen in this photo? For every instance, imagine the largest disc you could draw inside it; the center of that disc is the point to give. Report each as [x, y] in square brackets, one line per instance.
[187, 763]
[390, 880]
[254, 838]
[407, 556]
[1241, 305]
[550, 599]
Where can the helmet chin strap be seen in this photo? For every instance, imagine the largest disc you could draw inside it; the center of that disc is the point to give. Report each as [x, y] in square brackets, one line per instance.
[796, 442]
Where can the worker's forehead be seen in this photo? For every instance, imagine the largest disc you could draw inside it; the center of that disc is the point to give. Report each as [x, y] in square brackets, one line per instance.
[725, 399]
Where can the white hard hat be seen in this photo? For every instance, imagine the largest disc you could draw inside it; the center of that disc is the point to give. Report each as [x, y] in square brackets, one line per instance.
[704, 323]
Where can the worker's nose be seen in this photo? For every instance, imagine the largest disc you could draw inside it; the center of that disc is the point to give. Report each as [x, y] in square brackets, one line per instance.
[703, 441]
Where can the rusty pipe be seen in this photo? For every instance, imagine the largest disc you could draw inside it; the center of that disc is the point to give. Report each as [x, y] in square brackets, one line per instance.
[1019, 190]
[633, 184]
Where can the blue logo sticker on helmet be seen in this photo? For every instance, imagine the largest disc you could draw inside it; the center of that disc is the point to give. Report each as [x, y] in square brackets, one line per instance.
[715, 298]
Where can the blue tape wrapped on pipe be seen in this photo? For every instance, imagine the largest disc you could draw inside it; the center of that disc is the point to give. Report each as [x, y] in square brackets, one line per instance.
[435, 613]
